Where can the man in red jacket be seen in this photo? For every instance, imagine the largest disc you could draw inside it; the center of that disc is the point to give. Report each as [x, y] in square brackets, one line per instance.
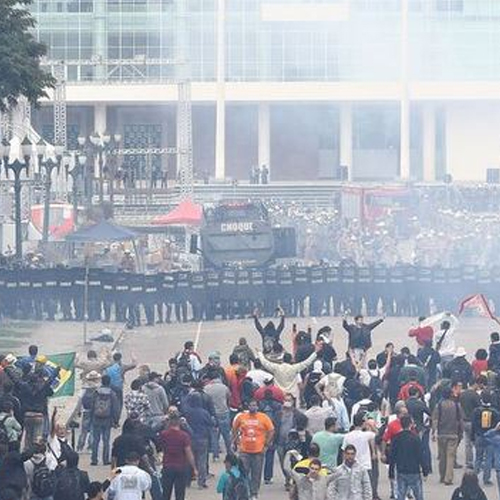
[422, 333]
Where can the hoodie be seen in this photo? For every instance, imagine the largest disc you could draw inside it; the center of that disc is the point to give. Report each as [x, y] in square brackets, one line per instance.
[158, 400]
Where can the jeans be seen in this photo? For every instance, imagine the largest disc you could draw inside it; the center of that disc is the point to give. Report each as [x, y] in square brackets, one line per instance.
[156, 491]
[200, 452]
[253, 463]
[223, 429]
[269, 463]
[101, 429]
[447, 453]
[484, 458]
[469, 447]
[33, 428]
[426, 451]
[174, 479]
[85, 430]
[411, 482]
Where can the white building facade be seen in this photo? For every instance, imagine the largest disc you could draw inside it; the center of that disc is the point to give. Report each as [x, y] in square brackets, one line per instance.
[389, 89]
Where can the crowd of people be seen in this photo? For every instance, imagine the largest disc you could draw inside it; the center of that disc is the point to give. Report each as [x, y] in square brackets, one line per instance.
[327, 425]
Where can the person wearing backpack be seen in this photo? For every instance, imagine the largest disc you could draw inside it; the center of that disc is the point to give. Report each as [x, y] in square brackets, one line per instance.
[10, 428]
[71, 483]
[105, 414]
[233, 482]
[40, 471]
[484, 418]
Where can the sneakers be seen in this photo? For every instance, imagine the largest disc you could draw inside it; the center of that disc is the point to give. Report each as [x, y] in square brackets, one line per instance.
[268, 481]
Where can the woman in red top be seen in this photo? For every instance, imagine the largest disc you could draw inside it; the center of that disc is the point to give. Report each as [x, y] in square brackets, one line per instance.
[480, 364]
[177, 457]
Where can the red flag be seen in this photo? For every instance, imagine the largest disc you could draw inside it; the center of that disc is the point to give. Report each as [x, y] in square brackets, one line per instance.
[480, 304]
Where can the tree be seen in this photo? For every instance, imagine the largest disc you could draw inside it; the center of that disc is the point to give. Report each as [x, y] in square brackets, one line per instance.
[20, 53]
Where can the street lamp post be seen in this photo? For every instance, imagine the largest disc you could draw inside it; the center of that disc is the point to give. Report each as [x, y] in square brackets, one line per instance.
[76, 173]
[17, 166]
[49, 165]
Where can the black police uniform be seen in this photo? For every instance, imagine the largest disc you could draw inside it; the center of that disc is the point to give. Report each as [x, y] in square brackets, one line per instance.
[212, 279]
[150, 297]
[317, 292]
[198, 295]
[300, 291]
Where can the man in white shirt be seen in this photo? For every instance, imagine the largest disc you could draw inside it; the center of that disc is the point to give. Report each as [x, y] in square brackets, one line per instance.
[363, 441]
[258, 376]
[131, 482]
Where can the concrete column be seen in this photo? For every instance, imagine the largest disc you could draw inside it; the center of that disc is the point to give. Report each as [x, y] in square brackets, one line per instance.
[404, 136]
[264, 135]
[429, 142]
[100, 118]
[220, 127]
[346, 136]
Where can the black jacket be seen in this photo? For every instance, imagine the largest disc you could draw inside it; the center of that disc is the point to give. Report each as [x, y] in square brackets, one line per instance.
[360, 337]
[459, 370]
[406, 453]
[494, 358]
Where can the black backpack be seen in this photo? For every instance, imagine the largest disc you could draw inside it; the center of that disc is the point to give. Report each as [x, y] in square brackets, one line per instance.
[237, 488]
[376, 385]
[68, 485]
[44, 480]
[103, 405]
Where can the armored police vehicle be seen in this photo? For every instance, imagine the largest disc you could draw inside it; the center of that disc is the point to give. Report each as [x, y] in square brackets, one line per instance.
[240, 234]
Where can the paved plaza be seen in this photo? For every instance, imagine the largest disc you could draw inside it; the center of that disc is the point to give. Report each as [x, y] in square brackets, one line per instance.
[155, 345]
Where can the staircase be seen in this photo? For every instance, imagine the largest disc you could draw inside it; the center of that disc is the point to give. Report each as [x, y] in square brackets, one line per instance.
[142, 207]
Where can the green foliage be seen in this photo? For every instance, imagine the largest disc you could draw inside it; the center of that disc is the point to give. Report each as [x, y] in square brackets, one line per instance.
[20, 53]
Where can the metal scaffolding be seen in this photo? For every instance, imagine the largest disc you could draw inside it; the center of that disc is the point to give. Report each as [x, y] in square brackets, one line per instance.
[182, 79]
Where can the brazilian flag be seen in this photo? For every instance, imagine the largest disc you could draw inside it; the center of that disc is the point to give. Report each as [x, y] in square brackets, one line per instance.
[64, 384]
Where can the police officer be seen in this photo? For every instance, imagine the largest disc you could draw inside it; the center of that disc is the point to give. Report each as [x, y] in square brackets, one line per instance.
[243, 295]
[95, 294]
[108, 293]
[212, 277]
[272, 294]
[122, 287]
[79, 284]
[424, 287]
[397, 291]
[300, 290]
[168, 295]
[65, 293]
[288, 295]
[181, 296]
[228, 292]
[333, 290]
[348, 279]
[134, 298]
[363, 290]
[49, 287]
[317, 292]
[197, 293]
[150, 297]
[257, 289]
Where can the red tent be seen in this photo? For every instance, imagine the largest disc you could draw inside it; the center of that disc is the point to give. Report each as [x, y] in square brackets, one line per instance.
[186, 213]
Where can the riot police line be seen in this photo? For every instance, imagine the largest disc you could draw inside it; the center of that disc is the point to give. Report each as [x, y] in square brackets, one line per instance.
[70, 293]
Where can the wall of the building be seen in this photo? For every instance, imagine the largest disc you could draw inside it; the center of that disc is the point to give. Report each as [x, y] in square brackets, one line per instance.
[473, 139]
